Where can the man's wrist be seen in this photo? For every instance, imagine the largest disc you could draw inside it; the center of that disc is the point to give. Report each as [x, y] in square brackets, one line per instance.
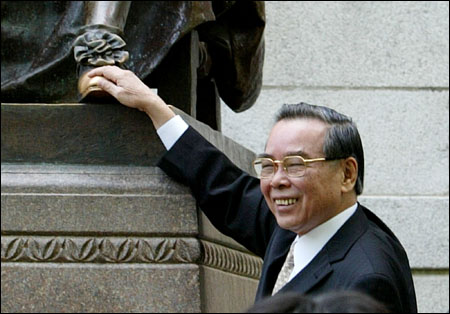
[158, 112]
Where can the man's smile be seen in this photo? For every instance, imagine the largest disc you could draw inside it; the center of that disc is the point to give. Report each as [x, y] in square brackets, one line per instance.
[285, 201]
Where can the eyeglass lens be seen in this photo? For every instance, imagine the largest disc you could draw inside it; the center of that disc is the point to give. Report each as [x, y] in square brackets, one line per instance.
[265, 167]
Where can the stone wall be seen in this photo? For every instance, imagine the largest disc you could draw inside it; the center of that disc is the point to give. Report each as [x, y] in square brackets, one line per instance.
[386, 65]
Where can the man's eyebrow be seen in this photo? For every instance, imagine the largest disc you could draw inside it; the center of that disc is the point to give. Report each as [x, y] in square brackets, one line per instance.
[298, 153]
[293, 153]
[264, 155]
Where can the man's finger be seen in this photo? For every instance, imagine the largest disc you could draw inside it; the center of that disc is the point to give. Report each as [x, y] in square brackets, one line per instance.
[106, 85]
[110, 72]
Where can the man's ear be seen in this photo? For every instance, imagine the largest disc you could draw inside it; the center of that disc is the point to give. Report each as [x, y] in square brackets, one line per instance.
[349, 174]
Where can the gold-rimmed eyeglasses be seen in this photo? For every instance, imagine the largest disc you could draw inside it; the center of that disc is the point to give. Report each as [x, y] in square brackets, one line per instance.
[294, 166]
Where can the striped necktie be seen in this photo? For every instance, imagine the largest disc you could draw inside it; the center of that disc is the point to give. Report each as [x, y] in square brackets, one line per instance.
[286, 270]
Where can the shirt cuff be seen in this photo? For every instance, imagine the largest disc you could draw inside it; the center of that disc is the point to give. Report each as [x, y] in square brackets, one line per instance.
[171, 131]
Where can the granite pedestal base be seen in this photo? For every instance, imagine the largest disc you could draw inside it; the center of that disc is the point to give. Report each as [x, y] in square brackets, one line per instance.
[89, 224]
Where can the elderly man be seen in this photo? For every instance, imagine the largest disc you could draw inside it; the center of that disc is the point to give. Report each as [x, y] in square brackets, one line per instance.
[301, 216]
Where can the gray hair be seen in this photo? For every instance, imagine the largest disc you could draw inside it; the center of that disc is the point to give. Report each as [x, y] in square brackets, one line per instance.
[342, 138]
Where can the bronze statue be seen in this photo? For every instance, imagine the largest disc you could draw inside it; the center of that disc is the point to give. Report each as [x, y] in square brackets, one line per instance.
[100, 42]
[48, 45]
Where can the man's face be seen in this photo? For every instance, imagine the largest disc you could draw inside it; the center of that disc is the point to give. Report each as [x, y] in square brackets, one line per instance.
[302, 203]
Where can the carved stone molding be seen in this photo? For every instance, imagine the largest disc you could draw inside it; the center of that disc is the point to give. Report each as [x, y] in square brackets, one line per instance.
[100, 250]
[128, 250]
[230, 260]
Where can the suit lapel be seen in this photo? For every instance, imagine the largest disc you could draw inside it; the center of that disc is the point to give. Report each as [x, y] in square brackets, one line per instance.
[277, 251]
[308, 278]
[337, 247]
[347, 235]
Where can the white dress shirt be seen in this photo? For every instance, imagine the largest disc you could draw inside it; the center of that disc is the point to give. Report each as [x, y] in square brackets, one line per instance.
[309, 245]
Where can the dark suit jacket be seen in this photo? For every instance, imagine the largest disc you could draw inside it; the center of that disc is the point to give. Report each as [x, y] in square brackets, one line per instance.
[363, 255]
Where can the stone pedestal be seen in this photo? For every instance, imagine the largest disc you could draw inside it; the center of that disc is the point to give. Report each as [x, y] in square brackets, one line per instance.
[89, 224]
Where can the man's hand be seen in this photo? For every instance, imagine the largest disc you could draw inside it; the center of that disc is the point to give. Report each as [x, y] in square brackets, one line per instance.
[128, 89]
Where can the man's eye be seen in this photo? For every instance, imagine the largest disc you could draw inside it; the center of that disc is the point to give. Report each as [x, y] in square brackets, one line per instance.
[295, 164]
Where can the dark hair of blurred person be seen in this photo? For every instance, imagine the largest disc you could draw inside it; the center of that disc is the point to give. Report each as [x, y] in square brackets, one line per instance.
[332, 302]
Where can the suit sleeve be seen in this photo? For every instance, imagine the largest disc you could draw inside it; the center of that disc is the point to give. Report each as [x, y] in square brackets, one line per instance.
[381, 288]
[229, 197]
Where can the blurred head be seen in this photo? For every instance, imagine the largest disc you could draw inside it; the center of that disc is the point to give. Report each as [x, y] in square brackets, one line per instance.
[333, 166]
[330, 302]
[288, 302]
[348, 302]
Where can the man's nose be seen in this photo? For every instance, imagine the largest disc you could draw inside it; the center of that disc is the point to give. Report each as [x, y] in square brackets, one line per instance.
[280, 178]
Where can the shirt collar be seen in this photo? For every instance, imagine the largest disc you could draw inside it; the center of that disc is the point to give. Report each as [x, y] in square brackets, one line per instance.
[308, 245]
